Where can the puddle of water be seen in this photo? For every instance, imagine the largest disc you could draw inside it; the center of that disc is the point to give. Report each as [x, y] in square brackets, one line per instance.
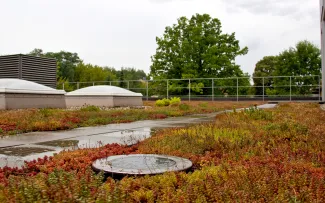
[60, 143]
[11, 161]
[126, 137]
[19, 161]
[22, 151]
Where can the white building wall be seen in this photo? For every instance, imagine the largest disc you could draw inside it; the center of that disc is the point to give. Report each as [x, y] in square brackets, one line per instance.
[322, 25]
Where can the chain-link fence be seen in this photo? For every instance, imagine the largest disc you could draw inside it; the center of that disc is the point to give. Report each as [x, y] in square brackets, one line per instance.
[237, 88]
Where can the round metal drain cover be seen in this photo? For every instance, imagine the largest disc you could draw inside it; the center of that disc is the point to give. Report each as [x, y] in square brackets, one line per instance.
[141, 164]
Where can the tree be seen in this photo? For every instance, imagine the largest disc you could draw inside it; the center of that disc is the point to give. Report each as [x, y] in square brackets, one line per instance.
[132, 73]
[122, 79]
[196, 48]
[37, 52]
[304, 59]
[90, 73]
[264, 68]
[302, 63]
[70, 68]
[66, 62]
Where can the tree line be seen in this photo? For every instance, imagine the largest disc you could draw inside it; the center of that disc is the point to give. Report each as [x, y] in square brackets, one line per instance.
[70, 69]
[196, 47]
[303, 62]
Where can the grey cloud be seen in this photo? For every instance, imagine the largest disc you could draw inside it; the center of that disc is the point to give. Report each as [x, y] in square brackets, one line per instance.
[273, 7]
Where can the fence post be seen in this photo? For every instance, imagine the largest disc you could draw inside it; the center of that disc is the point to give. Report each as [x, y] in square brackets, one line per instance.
[290, 88]
[147, 90]
[110, 83]
[189, 89]
[263, 89]
[93, 83]
[77, 85]
[237, 89]
[63, 86]
[167, 89]
[128, 84]
[319, 87]
[212, 90]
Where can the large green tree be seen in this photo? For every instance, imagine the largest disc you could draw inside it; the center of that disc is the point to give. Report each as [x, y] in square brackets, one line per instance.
[302, 60]
[264, 68]
[196, 48]
[302, 63]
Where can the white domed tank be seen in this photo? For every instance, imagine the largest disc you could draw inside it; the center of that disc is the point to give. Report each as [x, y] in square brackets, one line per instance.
[103, 96]
[21, 94]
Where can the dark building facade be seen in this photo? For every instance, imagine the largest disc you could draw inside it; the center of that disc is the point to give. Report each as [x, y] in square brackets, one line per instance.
[31, 68]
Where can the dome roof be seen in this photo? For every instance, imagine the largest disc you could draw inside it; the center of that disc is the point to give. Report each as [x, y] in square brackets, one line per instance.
[8, 85]
[103, 90]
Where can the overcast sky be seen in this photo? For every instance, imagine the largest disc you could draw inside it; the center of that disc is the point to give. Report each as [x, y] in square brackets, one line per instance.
[122, 32]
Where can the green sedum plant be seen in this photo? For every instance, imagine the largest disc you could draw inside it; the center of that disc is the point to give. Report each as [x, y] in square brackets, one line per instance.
[175, 101]
[160, 103]
[166, 101]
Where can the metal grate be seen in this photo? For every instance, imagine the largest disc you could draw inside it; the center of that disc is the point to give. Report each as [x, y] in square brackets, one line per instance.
[31, 68]
[39, 70]
[9, 66]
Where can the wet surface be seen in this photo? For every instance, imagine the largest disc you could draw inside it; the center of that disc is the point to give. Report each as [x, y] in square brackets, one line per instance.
[60, 143]
[23, 151]
[14, 150]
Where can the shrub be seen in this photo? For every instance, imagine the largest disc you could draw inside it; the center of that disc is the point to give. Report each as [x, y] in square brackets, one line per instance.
[160, 103]
[184, 107]
[90, 108]
[166, 102]
[175, 101]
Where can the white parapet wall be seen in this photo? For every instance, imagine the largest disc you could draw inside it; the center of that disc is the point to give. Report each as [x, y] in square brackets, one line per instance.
[103, 96]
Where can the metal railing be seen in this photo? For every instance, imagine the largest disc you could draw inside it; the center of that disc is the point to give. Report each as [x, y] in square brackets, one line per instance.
[236, 88]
